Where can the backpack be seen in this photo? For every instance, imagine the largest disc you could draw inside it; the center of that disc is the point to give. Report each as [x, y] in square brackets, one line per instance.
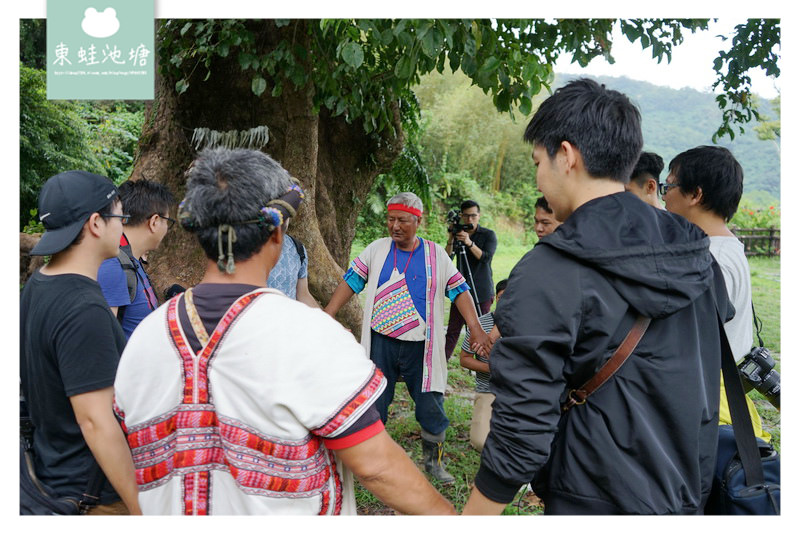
[125, 257]
[301, 251]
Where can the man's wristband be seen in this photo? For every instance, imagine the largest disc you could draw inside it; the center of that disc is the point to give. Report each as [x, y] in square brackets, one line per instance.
[471, 244]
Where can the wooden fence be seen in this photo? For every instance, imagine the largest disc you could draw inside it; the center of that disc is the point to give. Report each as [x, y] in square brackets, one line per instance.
[760, 241]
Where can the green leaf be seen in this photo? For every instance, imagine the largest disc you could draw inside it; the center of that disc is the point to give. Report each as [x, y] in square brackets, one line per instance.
[431, 43]
[186, 27]
[223, 49]
[353, 55]
[404, 68]
[386, 37]
[400, 26]
[280, 23]
[181, 86]
[490, 64]
[258, 85]
[525, 105]
[245, 59]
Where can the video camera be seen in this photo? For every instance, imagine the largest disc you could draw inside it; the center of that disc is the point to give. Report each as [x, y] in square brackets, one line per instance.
[454, 222]
[757, 371]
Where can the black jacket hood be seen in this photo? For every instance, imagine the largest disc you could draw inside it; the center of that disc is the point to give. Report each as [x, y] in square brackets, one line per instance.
[657, 271]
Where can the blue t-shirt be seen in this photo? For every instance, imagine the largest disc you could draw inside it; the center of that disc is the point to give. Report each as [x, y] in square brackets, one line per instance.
[416, 280]
[288, 269]
[114, 285]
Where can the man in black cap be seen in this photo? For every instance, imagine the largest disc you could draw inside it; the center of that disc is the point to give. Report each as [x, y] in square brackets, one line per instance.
[70, 344]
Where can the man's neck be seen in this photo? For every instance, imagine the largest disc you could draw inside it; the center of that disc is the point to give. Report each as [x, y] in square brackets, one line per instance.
[712, 224]
[138, 239]
[76, 260]
[587, 188]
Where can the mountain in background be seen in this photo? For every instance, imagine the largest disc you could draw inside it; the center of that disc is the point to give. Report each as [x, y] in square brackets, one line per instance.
[675, 120]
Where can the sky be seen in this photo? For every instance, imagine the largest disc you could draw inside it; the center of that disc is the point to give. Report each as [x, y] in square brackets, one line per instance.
[691, 64]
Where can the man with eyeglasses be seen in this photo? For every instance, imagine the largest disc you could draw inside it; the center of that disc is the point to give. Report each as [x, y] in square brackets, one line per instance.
[407, 279]
[70, 346]
[644, 181]
[124, 282]
[480, 244]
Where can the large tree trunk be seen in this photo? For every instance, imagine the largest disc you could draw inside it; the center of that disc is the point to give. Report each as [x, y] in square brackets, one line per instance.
[335, 162]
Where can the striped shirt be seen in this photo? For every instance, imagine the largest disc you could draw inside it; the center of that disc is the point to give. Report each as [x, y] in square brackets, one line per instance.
[481, 378]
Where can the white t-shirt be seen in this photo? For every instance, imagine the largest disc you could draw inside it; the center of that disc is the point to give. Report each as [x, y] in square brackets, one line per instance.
[729, 253]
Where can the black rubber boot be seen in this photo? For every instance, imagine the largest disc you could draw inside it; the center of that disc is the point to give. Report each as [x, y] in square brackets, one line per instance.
[432, 454]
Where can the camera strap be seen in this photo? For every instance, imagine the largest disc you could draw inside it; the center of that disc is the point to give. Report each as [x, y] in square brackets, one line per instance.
[578, 396]
[734, 391]
[757, 323]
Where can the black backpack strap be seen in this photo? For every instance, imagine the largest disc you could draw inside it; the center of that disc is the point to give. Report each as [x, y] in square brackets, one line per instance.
[125, 257]
[91, 496]
[301, 251]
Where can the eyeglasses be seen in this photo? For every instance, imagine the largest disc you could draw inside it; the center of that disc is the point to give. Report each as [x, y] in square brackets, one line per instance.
[664, 187]
[470, 216]
[123, 218]
[170, 221]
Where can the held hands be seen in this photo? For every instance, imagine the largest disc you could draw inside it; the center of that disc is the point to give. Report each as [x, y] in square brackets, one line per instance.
[480, 342]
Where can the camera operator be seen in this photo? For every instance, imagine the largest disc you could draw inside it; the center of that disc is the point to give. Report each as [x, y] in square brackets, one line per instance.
[479, 244]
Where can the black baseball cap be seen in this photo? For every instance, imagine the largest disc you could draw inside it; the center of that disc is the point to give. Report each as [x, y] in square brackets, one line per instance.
[66, 202]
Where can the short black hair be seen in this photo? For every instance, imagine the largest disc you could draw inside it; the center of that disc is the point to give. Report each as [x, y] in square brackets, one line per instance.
[143, 198]
[501, 286]
[601, 123]
[541, 202]
[649, 164]
[716, 171]
[466, 204]
[230, 187]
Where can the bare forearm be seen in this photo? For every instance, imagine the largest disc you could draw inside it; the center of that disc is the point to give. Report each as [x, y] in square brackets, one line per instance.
[469, 362]
[385, 470]
[110, 449]
[476, 252]
[466, 307]
[340, 297]
[303, 294]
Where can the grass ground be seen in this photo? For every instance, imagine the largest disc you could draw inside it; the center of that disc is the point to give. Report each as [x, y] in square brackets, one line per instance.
[464, 461]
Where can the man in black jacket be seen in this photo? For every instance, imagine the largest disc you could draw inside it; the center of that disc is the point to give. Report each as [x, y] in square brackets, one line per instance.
[644, 442]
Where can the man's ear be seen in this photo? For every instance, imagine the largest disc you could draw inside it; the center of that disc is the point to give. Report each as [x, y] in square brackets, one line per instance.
[696, 196]
[652, 186]
[95, 225]
[152, 221]
[572, 157]
[276, 237]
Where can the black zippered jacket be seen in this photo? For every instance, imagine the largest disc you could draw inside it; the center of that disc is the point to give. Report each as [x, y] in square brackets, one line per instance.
[645, 442]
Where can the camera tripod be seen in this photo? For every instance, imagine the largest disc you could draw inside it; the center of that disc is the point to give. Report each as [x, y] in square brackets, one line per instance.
[463, 267]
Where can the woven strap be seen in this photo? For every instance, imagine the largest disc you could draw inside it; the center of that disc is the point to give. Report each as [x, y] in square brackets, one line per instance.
[578, 396]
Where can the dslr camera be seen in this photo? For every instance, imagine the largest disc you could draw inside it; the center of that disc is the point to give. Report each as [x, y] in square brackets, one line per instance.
[454, 222]
[757, 371]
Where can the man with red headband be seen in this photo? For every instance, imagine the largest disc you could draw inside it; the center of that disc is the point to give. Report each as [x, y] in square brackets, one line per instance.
[407, 279]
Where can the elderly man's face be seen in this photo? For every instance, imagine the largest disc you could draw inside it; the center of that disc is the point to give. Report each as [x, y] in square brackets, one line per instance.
[402, 228]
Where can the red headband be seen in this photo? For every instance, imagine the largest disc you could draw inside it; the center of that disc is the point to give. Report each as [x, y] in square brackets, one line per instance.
[407, 209]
